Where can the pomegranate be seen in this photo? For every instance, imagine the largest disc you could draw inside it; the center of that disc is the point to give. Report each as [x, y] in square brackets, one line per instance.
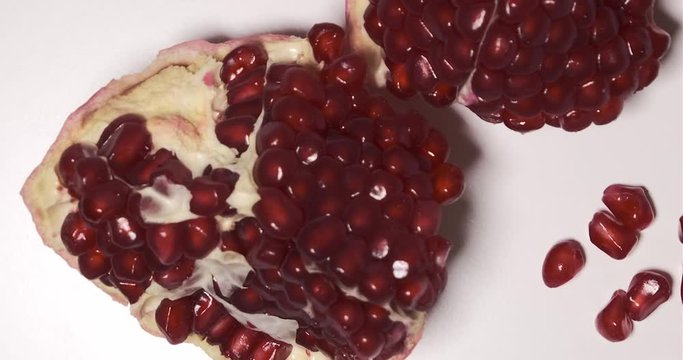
[254, 198]
[524, 63]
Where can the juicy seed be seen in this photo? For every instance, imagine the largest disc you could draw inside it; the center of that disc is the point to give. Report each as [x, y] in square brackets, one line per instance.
[562, 263]
[234, 132]
[241, 60]
[327, 41]
[610, 236]
[648, 290]
[631, 205]
[104, 201]
[127, 145]
[77, 235]
[613, 321]
[174, 318]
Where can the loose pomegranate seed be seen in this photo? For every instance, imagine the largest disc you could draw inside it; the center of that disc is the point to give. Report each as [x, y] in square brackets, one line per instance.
[77, 235]
[631, 205]
[648, 290]
[613, 321]
[610, 236]
[564, 260]
[174, 318]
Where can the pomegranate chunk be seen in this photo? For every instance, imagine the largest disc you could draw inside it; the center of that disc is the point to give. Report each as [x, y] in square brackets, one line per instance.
[563, 261]
[647, 291]
[613, 321]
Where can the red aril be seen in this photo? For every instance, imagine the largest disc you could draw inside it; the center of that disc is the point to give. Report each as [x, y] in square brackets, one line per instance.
[631, 205]
[613, 321]
[648, 290]
[563, 261]
[610, 236]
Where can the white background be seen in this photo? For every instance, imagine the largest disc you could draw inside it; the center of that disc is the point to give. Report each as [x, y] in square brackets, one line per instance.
[524, 193]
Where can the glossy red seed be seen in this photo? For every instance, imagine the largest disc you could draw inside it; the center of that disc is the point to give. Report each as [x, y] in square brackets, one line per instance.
[347, 71]
[234, 132]
[166, 242]
[112, 126]
[378, 283]
[141, 174]
[247, 300]
[221, 330]
[488, 84]
[346, 315]
[104, 201]
[293, 267]
[269, 254]
[77, 235]
[368, 342]
[410, 289]
[434, 148]
[274, 166]
[344, 149]
[610, 236]
[631, 205]
[321, 237]
[174, 318]
[327, 41]
[209, 197]
[535, 28]
[303, 83]
[448, 183]
[499, 47]
[337, 105]
[201, 237]
[174, 276]
[93, 264]
[391, 13]
[241, 60]
[298, 114]
[247, 88]
[88, 173]
[348, 263]
[438, 249]
[129, 265]
[274, 135]
[608, 112]
[132, 291]
[207, 312]
[648, 290]
[563, 261]
[269, 349]
[240, 344]
[279, 216]
[613, 322]
[67, 161]
[126, 146]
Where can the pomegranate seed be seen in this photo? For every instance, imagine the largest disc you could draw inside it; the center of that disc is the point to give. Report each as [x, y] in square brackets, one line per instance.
[88, 173]
[129, 144]
[66, 167]
[270, 350]
[378, 283]
[174, 318]
[209, 197]
[132, 291]
[248, 232]
[610, 236]
[173, 277]
[368, 342]
[141, 174]
[104, 201]
[274, 135]
[564, 260]
[274, 166]
[648, 290]
[165, 241]
[448, 183]
[361, 215]
[292, 267]
[221, 330]
[337, 104]
[434, 148]
[123, 119]
[344, 149]
[248, 88]
[304, 84]
[77, 235]
[247, 300]
[410, 289]
[201, 237]
[438, 249]
[129, 265]
[347, 71]
[93, 264]
[349, 261]
[298, 114]
[240, 344]
[613, 321]
[280, 217]
[241, 61]
[126, 233]
[234, 132]
[269, 254]
[207, 311]
[631, 205]
[346, 314]
[427, 218]
[321, 237]
[320, 290]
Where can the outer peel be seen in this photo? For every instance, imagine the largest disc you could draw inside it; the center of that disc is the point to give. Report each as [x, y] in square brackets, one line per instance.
[49, 203]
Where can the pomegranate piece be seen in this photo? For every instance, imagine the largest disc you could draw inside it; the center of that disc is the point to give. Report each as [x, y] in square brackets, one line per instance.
[648, 290]
[304, 204]
[563, 261]
[613, 321]
[568, 64]
[631, 205]
[610, 236]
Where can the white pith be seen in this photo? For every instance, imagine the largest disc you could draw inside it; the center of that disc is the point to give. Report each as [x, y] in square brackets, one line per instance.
[181, 110]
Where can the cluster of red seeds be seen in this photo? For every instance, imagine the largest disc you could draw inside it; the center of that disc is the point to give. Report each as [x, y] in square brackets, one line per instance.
[565, 63]
[202, 314]
[108, 234]
[350, 198]
[615, 235]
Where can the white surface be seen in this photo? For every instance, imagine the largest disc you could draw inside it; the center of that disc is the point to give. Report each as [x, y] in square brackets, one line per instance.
[524, 193]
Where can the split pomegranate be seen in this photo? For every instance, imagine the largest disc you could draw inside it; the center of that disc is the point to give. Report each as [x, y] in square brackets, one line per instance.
[648, 290]
[524, 63]
[631, 205]
[613, 321]
[280, 210]
[563, 261]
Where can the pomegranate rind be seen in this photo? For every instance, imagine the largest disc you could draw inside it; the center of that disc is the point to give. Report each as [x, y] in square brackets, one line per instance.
[49, 203]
